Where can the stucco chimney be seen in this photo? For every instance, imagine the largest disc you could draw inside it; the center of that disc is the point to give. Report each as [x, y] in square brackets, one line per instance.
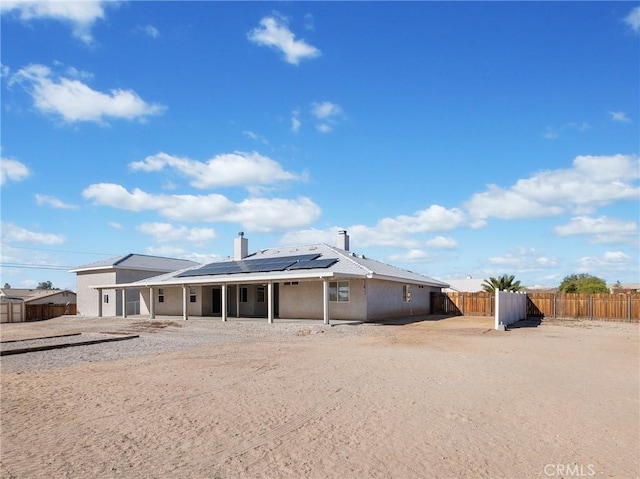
[240, 247]
[343, 240]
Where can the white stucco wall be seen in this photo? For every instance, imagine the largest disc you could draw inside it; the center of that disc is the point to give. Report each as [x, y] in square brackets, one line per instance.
[386, 299]
[305, 301]
[87, 297]
[173, 297]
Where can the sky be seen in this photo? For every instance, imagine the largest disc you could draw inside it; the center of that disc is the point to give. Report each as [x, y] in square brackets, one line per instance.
[447, 138]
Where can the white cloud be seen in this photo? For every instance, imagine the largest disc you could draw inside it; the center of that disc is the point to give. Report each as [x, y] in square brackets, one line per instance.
[255, 214]
[115, 225]
[295, 121]
[166, 232]
[633, 19]
[74, 101]
[325, 110]
[308, 22]
[602, 229]
[171, 251]
[398, 231]
[12, 233]
[150, 30]
[274, 32]
[608, 259]
[12, 170]
[327, 113]
[524, 260]
[411, 256]
[440, 242]
[394, 232]
[228, 169]
[81, 15]
[552, 132]
[593, 181]
[45, 200]
[310, 236]
[619, 116]
[255, 136]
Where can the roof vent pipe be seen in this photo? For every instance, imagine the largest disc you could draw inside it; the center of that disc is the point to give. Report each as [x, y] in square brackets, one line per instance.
[240, 247]
[343, 240]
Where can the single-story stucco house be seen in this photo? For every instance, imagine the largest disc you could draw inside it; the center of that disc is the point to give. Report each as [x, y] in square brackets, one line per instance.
[315, 281]
[121, 269]
[14, 301]
[39, 296]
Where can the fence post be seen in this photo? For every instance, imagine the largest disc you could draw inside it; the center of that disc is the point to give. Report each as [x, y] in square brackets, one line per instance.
[554, 306]
[629, 308]
[591, 308]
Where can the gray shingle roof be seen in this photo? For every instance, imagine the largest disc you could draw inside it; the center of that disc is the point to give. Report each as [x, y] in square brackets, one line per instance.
[138, 262]
[349, 265]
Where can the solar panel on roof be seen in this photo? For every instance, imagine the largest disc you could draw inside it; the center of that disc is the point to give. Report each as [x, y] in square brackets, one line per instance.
[260, 265]
[318, 263]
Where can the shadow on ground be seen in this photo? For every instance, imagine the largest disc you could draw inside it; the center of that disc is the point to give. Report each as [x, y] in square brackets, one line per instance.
[526, 323]
[411, 319]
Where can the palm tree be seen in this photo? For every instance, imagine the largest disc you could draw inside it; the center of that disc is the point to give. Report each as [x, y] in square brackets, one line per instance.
[502, 283]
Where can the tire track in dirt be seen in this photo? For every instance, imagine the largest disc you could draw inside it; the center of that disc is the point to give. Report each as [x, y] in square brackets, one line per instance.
[331, 402]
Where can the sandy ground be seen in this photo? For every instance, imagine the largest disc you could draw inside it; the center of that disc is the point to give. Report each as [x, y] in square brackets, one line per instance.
[432, 399]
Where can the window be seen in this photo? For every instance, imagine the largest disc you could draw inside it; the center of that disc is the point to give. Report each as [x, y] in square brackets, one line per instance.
[260, 294]
[339, 291]
[160, 295]
[406, 293]
[106, 298]
[192, 294]
[244, 294]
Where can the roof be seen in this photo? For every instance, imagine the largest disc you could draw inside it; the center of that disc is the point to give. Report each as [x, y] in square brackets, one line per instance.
[467, 285]
[291, 263]
[139, 262]
[31, 294]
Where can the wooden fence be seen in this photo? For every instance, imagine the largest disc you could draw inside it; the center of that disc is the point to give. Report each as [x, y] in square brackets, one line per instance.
[606, 307]
[39, 312]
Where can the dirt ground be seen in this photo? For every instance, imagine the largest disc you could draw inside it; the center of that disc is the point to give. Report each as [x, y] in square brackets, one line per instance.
[430, 399]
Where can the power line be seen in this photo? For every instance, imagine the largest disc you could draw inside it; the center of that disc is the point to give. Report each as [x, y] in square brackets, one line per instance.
[58, 250]
[35, 266]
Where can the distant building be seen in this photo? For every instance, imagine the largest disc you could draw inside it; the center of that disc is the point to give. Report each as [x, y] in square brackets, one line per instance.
[467, 285]
[39, 296]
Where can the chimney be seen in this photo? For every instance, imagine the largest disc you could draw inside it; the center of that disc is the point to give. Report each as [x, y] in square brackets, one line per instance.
[343, 240]
[240, 247]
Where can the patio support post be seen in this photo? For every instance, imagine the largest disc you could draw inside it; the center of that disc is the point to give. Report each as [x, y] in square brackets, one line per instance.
[325, 300]
[224, 302]
[237, 300]
[152, 304]
[124, 303]
[99, 302]
[185, 304]
[270, 302]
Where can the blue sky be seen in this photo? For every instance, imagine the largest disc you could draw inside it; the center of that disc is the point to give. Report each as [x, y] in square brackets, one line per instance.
[448, 138]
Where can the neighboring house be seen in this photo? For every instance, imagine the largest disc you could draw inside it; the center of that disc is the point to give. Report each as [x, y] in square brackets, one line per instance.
[296, 282]
[121, 269]
[14, 301]
[39, 296]
[467, 285]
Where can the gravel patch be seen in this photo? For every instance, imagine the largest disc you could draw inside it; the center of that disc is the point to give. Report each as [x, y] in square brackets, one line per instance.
[155, 337]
